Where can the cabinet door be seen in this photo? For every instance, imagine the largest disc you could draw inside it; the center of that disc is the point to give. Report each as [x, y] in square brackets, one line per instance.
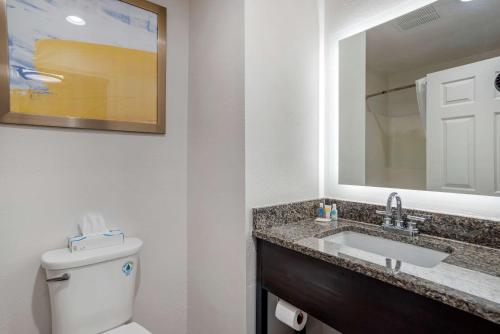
[463, 124]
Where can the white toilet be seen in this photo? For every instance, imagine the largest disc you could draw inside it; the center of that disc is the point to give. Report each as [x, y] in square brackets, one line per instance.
[93, 291]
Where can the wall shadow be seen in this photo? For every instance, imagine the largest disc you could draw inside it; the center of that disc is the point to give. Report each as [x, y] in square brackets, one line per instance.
[40, 303]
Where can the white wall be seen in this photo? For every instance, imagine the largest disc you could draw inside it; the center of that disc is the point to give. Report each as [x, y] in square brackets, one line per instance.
[395, 137]
[407, 167]
[346, 18]
[377, 129]
[216, 172]
[352, 92]
[281, 100]
[49, 178]
[281, 114]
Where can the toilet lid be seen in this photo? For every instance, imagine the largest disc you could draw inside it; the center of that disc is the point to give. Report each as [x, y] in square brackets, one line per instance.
[132, 328]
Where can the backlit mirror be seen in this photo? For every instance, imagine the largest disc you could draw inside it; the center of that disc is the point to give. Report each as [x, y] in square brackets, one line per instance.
[419, 100]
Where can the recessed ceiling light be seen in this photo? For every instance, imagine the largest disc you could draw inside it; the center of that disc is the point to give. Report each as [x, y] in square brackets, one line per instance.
[76, 20]
[465, 0]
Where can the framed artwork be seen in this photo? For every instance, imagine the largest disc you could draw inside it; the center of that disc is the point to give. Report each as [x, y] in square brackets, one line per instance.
[92, 64]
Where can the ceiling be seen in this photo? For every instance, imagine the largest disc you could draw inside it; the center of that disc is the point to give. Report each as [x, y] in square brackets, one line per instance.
[459, 30]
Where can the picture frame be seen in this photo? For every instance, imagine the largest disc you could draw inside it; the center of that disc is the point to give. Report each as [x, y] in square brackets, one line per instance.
[111, 76]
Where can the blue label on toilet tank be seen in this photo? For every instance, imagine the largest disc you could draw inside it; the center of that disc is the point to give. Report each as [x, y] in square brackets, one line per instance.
[128, 267]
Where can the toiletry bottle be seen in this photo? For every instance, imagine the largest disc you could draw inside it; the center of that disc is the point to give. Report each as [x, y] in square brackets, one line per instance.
[334, 213]
[328, 211]
[321, 210]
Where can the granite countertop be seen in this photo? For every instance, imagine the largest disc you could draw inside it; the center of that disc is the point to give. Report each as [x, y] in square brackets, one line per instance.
[468, 279]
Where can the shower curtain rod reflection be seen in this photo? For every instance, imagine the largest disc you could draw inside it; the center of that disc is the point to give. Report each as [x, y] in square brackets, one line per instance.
[389, 91]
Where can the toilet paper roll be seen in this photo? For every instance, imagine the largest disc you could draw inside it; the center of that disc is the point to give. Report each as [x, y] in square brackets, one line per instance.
[290, 315]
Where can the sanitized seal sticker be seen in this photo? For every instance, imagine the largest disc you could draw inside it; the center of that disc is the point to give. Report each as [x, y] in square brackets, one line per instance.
[128, 267]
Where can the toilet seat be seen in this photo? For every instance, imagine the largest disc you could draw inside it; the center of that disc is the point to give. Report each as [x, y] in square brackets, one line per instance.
[132, 328]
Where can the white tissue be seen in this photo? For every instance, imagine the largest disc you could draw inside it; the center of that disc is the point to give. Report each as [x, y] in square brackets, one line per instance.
[290, 315]
[94, 234]
[92, 224]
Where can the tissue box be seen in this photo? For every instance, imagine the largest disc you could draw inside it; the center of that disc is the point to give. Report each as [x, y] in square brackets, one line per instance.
[93, 241]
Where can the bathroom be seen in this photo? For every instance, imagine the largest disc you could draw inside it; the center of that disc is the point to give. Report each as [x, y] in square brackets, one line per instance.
[254, 101]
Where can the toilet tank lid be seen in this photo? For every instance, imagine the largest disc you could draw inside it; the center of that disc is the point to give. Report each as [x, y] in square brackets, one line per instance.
[63, 258]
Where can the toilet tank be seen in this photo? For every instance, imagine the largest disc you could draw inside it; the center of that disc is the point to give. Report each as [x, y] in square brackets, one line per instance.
[100, 291]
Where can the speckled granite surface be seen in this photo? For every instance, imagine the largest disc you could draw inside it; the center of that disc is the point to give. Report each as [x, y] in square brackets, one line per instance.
[284, 213]
[472, 230]
[468, 279]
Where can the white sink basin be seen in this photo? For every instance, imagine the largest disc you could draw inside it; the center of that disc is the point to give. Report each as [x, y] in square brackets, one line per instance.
[416, 255]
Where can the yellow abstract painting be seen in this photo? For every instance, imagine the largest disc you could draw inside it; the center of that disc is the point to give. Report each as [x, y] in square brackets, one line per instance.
[94, 82]
[93, 64]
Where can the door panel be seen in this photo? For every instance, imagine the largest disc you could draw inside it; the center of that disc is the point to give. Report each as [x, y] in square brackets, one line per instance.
[460, 91]
[462, 144]
[458, 147]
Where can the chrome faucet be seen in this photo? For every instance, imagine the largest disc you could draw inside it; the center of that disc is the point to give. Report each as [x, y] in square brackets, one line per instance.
[402, 224]
[399, 209]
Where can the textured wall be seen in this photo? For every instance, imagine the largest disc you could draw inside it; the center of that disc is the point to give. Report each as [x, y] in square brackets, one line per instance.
[216, 159]
[281, 114]
[49, 178]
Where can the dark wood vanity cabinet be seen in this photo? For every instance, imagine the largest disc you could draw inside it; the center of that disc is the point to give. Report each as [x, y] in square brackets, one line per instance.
[351, 302]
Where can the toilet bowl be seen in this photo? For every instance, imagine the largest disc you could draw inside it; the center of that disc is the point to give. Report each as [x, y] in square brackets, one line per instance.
[93, 291]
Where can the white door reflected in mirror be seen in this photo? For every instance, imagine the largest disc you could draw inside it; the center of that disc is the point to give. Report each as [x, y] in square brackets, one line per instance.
[418, 103]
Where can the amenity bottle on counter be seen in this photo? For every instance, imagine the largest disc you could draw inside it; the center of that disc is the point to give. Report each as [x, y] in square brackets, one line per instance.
[321, 210]
[334, 213]
[328, 211]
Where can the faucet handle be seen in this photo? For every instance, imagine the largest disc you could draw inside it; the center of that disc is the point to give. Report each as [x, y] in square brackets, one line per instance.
[412, 228]
[412, 223]
[387, 217]
[383, 213]
[417, 219]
